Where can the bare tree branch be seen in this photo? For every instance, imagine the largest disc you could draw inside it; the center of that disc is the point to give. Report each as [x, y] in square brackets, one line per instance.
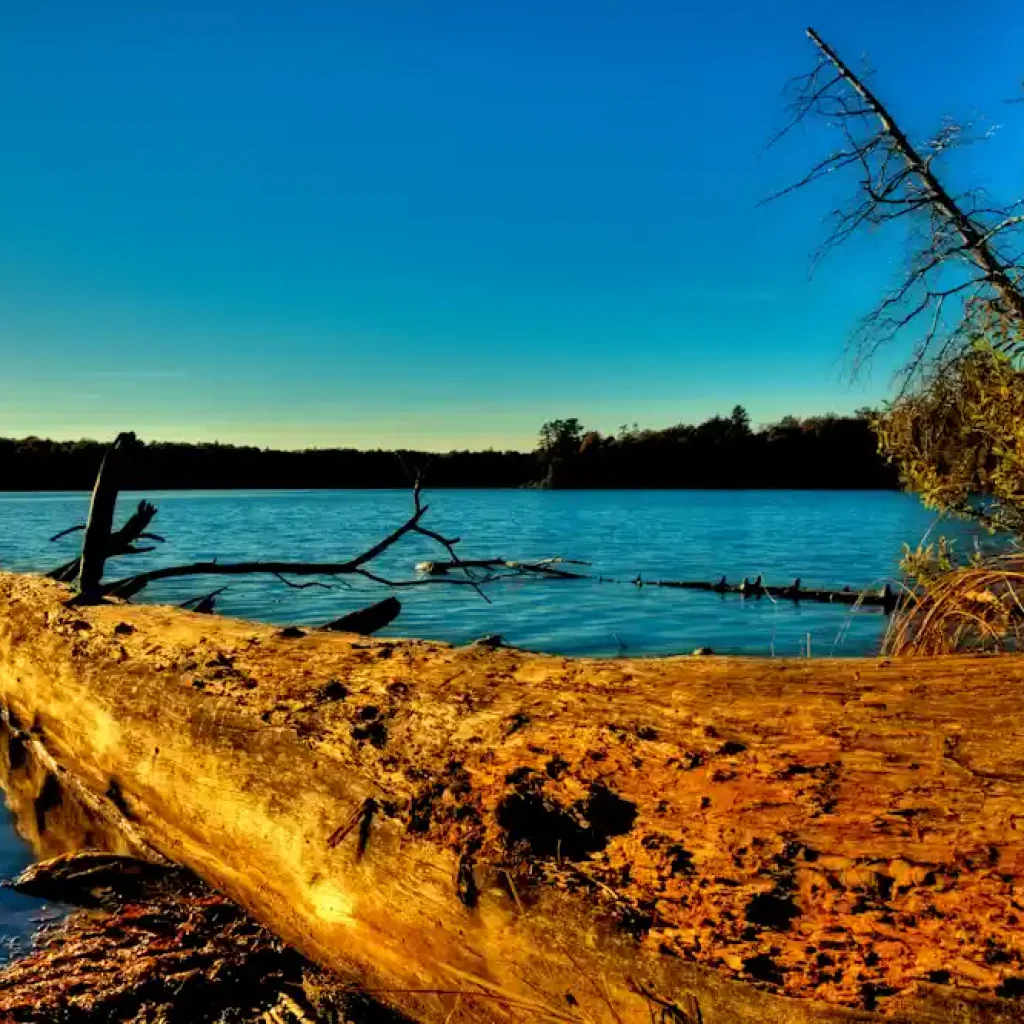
[302, 586]
[966, 245]
[132, 585]
[121, 542]
[64, 533]
[204, 603]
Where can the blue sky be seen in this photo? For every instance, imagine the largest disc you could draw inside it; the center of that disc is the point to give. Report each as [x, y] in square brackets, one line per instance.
[441, 223]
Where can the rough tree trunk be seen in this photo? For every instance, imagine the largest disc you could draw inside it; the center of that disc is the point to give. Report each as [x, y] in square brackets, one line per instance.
[488, 835]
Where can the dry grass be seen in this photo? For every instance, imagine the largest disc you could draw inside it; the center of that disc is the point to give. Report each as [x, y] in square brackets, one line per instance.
[970, 608]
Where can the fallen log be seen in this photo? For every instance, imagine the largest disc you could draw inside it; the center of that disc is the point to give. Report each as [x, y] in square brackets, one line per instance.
[484, 834]
[503, 568]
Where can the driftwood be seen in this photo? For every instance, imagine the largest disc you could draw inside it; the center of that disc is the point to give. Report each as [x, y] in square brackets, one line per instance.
[495, 836]
[161, 949]
[504, 568]
[93, 878]
[101, 543]
[100, 525]
[204, 604]
[885, 598]
[121, 542]
[367, 620]
[106, 808]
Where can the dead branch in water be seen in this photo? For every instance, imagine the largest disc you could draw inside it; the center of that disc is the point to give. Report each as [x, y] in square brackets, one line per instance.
[885, 598]
[367, 620]
[101, 543]
[132, 585]
[121, 542]
[543, 567]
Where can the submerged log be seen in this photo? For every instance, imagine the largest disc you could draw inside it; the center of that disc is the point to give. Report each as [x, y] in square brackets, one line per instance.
[491, 835]
[885, 598]
[369, 619]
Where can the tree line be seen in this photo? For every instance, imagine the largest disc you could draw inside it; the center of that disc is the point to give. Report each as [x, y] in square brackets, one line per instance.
[723, 452]
[825, 452]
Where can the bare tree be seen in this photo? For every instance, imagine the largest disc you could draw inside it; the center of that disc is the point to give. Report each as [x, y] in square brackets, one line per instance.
[964, 266]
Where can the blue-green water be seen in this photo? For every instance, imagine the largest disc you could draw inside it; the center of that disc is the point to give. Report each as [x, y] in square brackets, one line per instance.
[826, 538]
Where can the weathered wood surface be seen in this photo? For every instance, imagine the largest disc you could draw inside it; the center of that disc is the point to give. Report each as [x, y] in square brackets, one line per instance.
[486, 835]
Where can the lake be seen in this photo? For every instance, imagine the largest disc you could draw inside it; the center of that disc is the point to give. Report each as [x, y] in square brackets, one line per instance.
[830, 538]
[827, 538]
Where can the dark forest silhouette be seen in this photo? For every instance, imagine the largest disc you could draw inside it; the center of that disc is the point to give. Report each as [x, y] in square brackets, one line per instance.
[822, 452]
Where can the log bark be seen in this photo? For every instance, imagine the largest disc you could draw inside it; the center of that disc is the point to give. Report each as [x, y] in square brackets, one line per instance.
[490, 835]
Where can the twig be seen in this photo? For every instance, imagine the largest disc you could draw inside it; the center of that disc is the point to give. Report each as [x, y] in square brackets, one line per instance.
[204, 602]
[64, 533]
[515, 894]
[302, 586]
[365, 810]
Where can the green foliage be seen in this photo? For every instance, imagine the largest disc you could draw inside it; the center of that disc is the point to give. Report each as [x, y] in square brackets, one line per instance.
[958, 437]
[925, 565]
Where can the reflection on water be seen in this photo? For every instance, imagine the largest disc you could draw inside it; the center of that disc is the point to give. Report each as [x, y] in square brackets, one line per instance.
[42, 819]
[19, 915]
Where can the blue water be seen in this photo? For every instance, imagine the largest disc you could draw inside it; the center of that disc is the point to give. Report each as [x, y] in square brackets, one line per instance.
[19, 915]
[827, 538]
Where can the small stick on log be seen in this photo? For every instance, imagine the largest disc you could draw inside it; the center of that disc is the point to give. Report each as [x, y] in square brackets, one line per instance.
[362, 815]
[367, 620]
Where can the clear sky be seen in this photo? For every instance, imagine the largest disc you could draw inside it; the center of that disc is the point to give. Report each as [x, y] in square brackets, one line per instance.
[440, 222]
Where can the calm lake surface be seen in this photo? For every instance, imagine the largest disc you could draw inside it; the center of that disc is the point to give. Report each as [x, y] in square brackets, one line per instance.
[827, 538]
